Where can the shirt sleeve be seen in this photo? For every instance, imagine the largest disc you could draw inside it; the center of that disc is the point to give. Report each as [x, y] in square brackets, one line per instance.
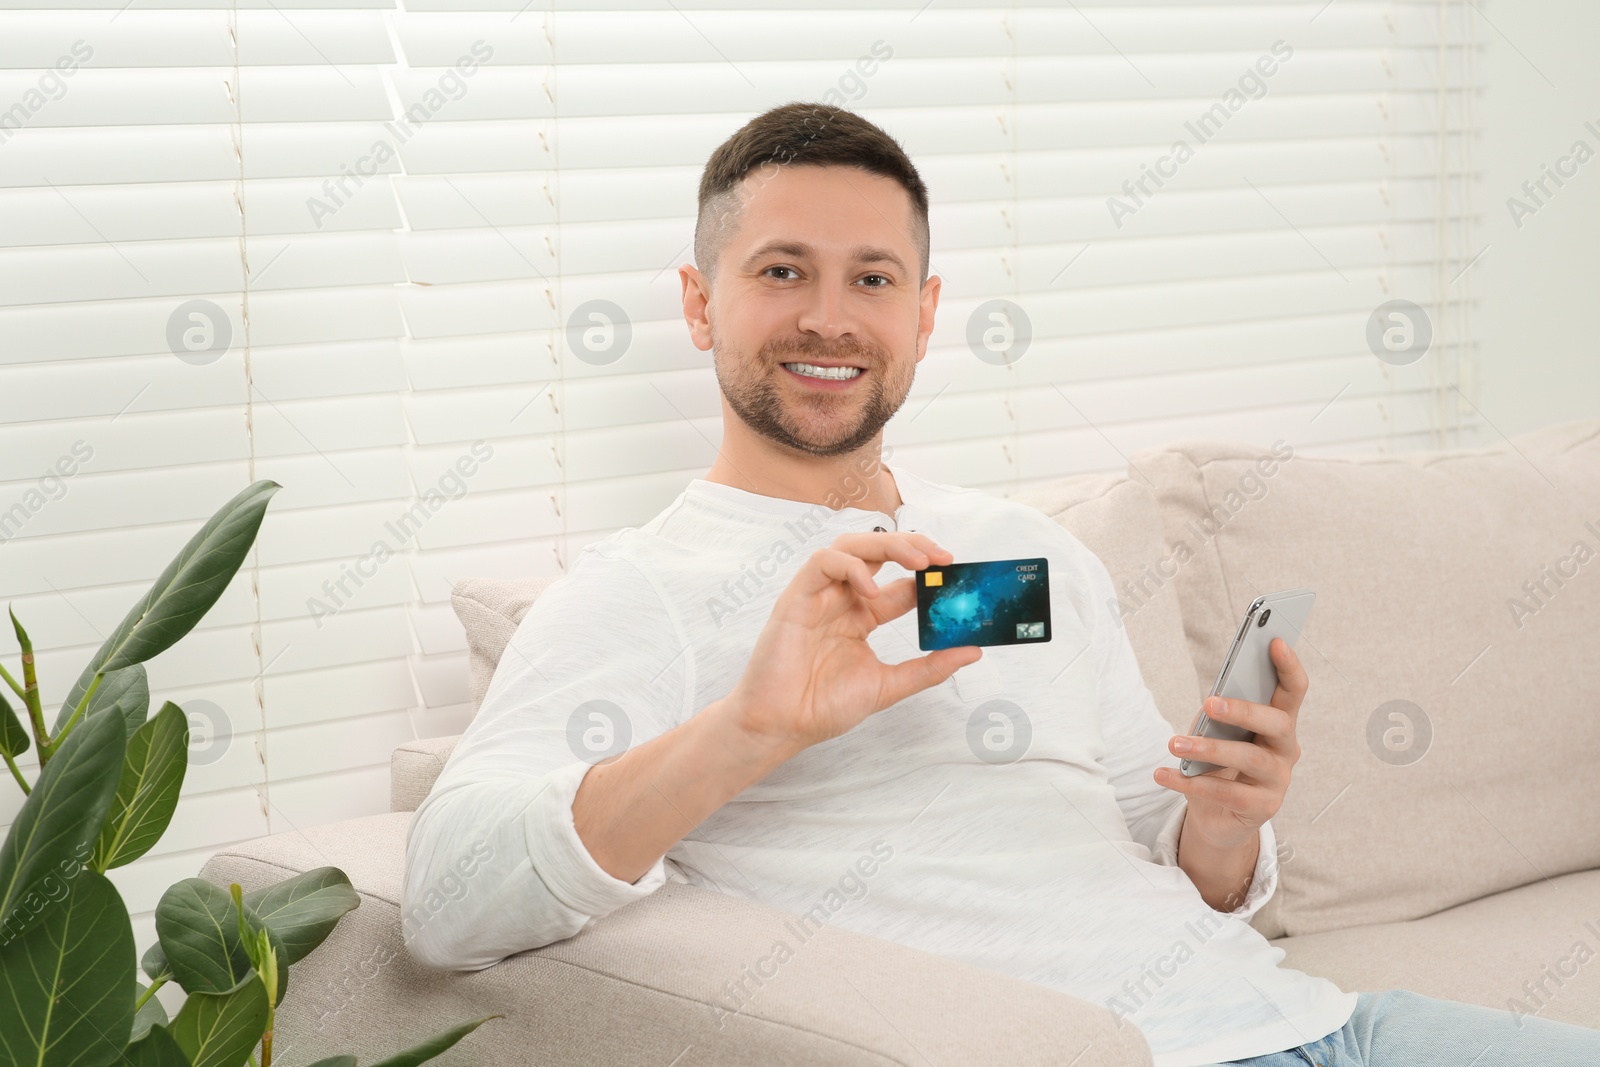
[1136, 736]
[1264, 879]
[494, 864]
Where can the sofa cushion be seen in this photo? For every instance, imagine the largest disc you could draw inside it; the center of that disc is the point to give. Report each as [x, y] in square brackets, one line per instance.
[489, 610]
[1449, 734]
[1529, 950]
[414, 767]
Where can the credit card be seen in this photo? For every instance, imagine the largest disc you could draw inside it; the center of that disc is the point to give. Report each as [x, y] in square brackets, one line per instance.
[991, 602]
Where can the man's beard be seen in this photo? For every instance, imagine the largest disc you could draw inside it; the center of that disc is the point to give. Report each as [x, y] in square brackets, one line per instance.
[755, 395]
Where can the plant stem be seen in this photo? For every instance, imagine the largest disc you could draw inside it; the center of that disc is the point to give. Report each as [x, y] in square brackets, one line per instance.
[266, 1042]
[30, 693]
[77, 713]
[15, 773]
[148, 993]
[12, 682]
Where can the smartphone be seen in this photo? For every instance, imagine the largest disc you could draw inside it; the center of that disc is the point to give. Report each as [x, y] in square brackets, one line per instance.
[1247, 671]
[990, 602]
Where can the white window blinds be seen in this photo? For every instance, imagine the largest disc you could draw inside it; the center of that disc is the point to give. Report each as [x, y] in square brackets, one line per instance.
[340, 245]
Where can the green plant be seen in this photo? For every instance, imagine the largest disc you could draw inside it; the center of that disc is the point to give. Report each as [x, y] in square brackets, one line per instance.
[108, 783]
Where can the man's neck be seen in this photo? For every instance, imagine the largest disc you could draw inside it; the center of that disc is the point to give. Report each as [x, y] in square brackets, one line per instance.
[833, 484]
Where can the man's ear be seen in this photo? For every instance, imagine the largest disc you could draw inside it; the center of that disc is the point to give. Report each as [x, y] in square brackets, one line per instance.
[928, 303]
[696, 305]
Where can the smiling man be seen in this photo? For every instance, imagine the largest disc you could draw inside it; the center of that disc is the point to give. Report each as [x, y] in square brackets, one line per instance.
[731, 695]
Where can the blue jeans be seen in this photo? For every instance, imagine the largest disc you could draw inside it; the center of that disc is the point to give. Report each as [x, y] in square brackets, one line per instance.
[1399, 1028]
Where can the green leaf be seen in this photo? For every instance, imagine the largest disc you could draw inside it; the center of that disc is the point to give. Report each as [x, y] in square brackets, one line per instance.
[184, 592]
[152, 1014]
[200, 943]
[14, 740]
[199, 932]
[221, 1029]
[304, 909]
[128, 690]
[154, 964]
[336, 1061]
[157, 1048]
[66, 985]
[433, 1046]
[54, 833]
[147, 795]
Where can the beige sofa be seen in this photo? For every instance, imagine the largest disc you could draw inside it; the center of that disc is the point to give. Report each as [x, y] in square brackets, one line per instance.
[1440, 834]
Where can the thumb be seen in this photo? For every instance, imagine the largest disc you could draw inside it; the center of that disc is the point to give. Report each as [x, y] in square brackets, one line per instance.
[915, 675]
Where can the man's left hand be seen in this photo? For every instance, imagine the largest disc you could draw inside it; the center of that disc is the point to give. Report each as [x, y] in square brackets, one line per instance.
[1228, 806]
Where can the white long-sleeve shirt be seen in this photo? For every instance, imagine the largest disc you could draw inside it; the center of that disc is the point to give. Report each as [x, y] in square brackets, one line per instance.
[1007, 817]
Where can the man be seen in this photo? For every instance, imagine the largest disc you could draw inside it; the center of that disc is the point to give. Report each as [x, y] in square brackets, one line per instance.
[749, 658]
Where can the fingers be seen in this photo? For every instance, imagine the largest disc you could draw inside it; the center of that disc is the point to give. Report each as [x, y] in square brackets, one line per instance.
[914, 675]
[1253, 762]
[855, 558]
[1292, 679]
[1273, 726]
[1257, 803]
[834, 565]
[913, 551]
[894, 599]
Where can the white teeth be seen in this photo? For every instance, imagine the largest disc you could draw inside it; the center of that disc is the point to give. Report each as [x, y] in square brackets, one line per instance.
[813, 371]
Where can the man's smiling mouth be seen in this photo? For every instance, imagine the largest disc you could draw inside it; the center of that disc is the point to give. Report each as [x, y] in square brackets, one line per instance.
[813, 370]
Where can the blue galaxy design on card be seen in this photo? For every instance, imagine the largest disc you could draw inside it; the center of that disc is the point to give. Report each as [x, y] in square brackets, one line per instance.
[990, 602]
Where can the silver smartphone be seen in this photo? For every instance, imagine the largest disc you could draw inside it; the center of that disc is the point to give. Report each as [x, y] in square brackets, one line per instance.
[1247, 671]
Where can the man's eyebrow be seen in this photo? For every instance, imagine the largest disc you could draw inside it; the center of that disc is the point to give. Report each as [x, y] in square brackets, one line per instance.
[801, 250]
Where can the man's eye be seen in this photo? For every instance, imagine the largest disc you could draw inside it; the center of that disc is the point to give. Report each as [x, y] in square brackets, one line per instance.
[885, 281]
[770, 269]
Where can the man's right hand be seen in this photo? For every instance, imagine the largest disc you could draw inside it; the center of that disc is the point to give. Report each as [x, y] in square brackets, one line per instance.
[812, 676]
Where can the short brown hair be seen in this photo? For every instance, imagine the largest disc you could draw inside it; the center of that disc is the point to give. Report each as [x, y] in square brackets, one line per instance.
[799, 133]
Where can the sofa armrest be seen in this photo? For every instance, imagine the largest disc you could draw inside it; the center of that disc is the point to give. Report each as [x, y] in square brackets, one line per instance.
[643, 984]
[414, 767]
